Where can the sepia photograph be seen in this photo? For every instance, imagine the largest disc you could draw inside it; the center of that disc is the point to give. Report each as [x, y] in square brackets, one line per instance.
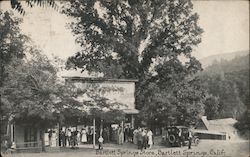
[124, 78]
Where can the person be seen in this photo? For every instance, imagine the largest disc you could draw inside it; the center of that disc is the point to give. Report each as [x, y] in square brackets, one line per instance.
[5, 147]
[83, 136]
[106, 134]
[78, 137]
[120, 135]
[150, 138]
[62, 138]
[126, 133]
[139, 139]
[91, 134]
[100, 140]
[180, 137]
[135, 136]
[189, 139]
[68, 136]
[145, 139]
[50, 137]
[130, 135]
[13, 146]
[73, 138]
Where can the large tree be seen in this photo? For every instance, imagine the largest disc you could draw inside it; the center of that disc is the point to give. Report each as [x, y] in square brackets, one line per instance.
[17, 5]
[12, 41]
[142, 39]
[34, 95]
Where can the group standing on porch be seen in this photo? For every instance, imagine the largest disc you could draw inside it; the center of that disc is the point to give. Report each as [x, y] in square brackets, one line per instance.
[73, 137]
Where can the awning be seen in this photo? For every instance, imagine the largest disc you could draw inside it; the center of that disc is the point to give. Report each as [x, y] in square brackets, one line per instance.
[130, 111]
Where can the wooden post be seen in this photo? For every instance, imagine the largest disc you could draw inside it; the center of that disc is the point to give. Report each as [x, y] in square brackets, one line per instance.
[94, 133]
[57, 134]
[12, 132]
[122, 132]
[101, 128]
[132, 121]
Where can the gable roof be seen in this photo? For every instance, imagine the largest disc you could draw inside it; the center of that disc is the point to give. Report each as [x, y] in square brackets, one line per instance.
[224, 121]
[205, 121]
[219, 125]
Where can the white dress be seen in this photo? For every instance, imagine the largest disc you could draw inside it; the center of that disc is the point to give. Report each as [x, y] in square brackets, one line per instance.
[150, 137]
[84, 136]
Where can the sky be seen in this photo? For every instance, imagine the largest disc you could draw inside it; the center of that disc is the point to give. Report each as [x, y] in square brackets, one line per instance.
[225, 24]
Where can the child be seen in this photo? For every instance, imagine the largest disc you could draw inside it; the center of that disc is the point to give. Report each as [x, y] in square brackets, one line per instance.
[100, 140]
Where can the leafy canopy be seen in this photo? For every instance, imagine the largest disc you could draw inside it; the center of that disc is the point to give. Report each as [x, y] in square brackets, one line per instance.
[146, 40]
[16, 4]
[123, 38]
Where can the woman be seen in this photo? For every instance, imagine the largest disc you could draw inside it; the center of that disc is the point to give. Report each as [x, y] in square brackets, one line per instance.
[120, 135]
[135, 134]
[150, 138]
[83, 136]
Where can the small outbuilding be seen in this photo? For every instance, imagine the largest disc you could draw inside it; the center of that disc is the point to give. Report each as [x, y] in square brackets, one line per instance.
[218, 129]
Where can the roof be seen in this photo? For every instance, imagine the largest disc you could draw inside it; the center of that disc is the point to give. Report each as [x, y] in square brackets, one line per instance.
[219, 125]
[223, 121]
[208, 132]
[97, 79]
[205, 121]
[131, 111]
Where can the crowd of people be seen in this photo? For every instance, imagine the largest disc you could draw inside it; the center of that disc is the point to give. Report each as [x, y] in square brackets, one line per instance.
[73, 137]
[143, 138]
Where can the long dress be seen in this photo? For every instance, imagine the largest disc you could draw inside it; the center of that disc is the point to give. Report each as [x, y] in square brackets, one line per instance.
[120, 136]
[150, 138]
[135, 138]
[84, 136]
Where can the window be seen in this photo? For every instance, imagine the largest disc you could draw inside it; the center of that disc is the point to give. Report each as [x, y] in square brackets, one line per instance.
[30, 136]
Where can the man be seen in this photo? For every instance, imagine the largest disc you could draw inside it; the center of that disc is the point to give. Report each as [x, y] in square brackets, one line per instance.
[126, 133]
[189, 139]
[145, 139]
[139, 139]
[50, 137]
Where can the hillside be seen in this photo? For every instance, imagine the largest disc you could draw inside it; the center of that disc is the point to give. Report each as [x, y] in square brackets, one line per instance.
[236, 64]
[229, 81]
[207, 61]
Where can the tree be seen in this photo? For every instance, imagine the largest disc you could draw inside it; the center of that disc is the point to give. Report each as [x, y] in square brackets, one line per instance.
[212, 105]
[31, 94]
[229, 83]
[136, 39]
[12, 42]
[115, 35]
[16, 4]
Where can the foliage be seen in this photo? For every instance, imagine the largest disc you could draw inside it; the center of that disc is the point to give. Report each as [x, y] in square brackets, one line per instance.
[182, 104]
[112, 39]
[212, 107]
[12, 42]
[229, 81]
[16, 4]
[243, 125]
[34, 94]
[12, 45]
[142, 40]
[32, 90]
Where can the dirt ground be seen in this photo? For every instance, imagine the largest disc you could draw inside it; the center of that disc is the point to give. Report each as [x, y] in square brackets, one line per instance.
[206, 148]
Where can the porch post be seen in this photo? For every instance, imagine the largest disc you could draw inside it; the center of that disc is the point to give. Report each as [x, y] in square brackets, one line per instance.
[132, 121]
[12, 132]
[122, 131]
[94, 133]
[57, 134]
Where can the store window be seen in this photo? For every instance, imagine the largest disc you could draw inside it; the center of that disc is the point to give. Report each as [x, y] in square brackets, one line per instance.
[30, 137]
